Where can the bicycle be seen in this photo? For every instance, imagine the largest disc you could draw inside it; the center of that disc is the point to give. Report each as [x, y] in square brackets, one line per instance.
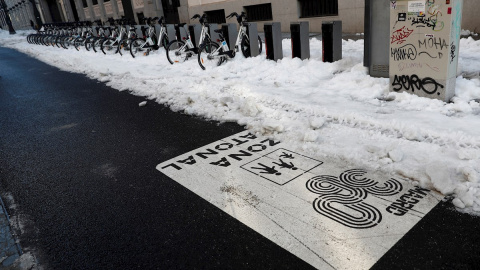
[215, 55]
[180, 51]
[243, 41]
[110, 45]
[151, 42]
[124, 44]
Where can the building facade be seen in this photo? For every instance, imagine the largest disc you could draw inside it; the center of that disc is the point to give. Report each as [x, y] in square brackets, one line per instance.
[350, 12]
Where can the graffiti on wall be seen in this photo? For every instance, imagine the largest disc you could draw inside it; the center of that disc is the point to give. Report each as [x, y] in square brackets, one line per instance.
[414, 83]
[400, 35]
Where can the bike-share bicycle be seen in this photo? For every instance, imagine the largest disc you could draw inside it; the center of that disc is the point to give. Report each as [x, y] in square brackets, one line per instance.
[140, 46]
[179, 51]
[117, 41]
[243, 40]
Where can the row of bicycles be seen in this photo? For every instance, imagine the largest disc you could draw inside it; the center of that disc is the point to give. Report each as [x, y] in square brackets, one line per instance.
[120, 37]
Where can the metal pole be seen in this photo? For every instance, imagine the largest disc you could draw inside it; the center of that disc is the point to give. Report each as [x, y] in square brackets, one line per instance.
[7, 18]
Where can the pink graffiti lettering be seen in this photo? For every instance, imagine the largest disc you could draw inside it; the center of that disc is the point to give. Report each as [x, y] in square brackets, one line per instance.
[400, 35]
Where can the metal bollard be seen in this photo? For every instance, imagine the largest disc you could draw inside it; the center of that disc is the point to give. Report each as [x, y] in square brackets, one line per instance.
[273, 41]
[181, 33]
[230, 33]
[195, 31]
[332, 41]
[300, 40]
[138, 31]
[213, 36]
[252, 33]
[171, 32]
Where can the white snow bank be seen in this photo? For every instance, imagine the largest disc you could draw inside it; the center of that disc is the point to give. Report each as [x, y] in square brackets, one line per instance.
[328, 109]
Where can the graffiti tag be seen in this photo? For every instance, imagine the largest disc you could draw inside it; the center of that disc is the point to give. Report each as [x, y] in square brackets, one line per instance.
[400, 35]
[413, 82]
[406, 52]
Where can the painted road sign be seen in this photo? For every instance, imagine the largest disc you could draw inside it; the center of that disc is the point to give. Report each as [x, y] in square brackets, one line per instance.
[329, 214]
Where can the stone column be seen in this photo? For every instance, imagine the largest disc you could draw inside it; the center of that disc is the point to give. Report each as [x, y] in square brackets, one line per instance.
[115, 9]
[79, 7]
[90, 9]
[103, 12]
[67, 7]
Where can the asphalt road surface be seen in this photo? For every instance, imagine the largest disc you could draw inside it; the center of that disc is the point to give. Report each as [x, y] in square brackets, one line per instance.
[78, 158]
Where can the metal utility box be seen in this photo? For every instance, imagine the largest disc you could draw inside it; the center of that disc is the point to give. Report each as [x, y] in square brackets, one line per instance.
[377, 35]
[230, 33]
[424, 39]
[331, 41]
[171, 32]
[300, 40]
[273, 40]
[181, 33]
[195, 31]
[252, 33]
[211, 31]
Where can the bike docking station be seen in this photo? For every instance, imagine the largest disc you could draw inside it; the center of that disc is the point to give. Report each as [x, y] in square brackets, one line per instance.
[195, 30]
[230, 33]
[171, 32]
[158, 27]
[273, 40]
[300, 40]
[139, 32]
[180, 32]
[252, 33]
[424, 43]
[211, 31]
[331, 41]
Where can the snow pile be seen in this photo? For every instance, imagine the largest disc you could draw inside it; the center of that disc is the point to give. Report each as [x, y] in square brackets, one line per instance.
[328, 109]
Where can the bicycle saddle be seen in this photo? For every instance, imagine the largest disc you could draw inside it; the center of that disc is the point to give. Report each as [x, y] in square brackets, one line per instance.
[182, 24]
[218, 31]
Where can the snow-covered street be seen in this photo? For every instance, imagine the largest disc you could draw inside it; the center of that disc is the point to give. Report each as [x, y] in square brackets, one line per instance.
[325, 109]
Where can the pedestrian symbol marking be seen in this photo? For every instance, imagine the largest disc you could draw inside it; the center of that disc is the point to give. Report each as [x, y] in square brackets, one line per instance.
[273, 167]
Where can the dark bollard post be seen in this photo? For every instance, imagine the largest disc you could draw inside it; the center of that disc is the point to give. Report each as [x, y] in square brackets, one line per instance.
[273, 41]
[252, 33]
[171, 32]
[332, 41]
[230, 33]
[195, 31]
[213, 36]
[300, 40]
[181, 33]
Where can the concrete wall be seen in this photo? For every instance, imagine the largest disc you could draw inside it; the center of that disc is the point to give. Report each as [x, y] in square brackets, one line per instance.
[471, 15]
[350, 12]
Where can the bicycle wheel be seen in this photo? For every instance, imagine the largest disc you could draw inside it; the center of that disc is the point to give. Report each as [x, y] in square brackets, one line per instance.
[97, 44]
[245, 46]
[177, 52]
[78, 43]
[123, 46]
[136, 47]
[208, 56]
[88, 43]
[68, 41]
[109, 46]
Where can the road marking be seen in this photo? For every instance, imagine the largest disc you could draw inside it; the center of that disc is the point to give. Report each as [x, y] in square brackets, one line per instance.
[324, 212]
